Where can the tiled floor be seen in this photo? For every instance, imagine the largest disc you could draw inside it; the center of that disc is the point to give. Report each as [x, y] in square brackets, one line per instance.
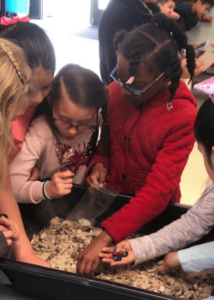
[75, 41]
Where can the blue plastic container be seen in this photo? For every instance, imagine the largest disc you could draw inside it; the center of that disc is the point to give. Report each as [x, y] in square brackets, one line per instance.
[18, 6]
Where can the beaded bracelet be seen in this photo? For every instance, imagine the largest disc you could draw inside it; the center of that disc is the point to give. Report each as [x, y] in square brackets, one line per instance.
[44, 192]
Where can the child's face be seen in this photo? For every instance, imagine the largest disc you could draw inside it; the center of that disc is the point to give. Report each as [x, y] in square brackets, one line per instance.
[42, 80]
[142, 79]
[202, 9]
[210, 169]
[71, 119]
[167, 8]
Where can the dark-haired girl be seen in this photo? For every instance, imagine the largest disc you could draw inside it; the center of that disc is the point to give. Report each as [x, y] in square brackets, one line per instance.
[40, 57]
[192, 226]
[61, 141]
[150, 116]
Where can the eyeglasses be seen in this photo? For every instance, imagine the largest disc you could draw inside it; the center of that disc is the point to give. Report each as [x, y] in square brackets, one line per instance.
[81, 127]
[135, 91]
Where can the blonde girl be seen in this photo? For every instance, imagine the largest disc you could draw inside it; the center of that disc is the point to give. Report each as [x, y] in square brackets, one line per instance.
[15, 93]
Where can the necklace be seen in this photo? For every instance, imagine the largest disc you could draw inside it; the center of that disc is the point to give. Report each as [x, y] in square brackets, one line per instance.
[146, 7]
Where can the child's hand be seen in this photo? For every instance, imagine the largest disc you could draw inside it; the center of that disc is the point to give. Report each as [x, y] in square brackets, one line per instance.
[106, 254]
[9, 229]
[208, 19]
[170, 261]
[174, 15]
[60, 184]
[98, 174]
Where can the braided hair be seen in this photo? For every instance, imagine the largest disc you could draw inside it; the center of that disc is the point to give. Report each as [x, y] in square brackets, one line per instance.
[157, 45]
[13, 61]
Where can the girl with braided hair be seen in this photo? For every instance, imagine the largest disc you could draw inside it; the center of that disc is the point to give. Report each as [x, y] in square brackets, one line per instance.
[150, 115]
[16, 90]
[39, 54]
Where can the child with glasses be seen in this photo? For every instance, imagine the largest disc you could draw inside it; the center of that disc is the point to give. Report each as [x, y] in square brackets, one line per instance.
[62, 138]
[150, 116]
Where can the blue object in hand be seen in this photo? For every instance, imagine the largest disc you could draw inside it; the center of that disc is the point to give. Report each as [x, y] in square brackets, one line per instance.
[117, 258]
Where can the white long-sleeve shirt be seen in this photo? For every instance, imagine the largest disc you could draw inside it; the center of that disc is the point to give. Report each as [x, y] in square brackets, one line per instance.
[193, 225]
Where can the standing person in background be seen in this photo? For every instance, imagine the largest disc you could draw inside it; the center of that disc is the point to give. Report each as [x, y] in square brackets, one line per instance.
[40, 56]
[120, 14]
[16, 91]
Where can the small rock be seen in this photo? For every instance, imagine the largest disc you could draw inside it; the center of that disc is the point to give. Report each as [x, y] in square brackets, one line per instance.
[151, 270]
[200, 289]
[176, 288]
[197, 293]
[162, 289]
[167, 292]
[187, 294]
[179, 293]
[160, 262]
[195, 286]
[207, 291]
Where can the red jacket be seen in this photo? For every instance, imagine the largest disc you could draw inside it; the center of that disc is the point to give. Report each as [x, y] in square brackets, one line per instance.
[148, 152]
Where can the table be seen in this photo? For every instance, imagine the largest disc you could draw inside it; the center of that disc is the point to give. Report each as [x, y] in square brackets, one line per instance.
[203, 31]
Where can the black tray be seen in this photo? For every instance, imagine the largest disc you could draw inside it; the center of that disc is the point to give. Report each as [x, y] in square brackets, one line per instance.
[41, 283]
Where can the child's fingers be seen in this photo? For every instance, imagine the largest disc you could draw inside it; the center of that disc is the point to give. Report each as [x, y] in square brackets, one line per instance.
[108, 260]
[66, 174]
[94, 177]
[8, 234]
[124, 244]
[104, 255]
[67, 181]
[2, 228]
[102, 176]
[107, 249]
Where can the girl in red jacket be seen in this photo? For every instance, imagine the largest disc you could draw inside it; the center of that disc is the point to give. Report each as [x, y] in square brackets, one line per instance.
[150, 117]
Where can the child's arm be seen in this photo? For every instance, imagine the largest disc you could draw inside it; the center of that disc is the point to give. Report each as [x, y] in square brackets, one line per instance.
[193, 225]
[195, 259]
[21, 166]
[208, 19]
[9, 207]
[161, 182]
[26, 191]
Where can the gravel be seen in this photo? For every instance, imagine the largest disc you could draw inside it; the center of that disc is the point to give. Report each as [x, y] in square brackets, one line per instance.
[61, 242]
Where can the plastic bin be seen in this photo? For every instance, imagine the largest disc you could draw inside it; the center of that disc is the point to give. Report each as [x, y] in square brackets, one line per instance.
[49, 284]
[18, 6]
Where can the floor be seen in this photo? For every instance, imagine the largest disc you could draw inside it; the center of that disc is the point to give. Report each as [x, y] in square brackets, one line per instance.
[75, 41]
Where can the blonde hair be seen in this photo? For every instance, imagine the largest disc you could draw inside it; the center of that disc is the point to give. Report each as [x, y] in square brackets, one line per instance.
[15, 87]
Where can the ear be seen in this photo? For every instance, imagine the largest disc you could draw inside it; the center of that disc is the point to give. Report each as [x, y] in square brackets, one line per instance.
[212, 149]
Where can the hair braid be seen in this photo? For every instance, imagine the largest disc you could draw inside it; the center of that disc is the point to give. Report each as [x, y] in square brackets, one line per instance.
[119, 37]
[180, 38]
[12, 59]
[176, 72]
[135, 56]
